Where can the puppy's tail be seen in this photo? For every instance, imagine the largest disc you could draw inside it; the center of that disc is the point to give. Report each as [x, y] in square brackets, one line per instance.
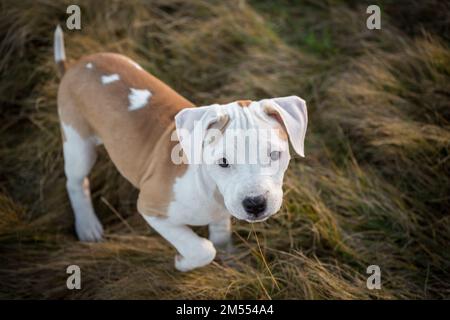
[59, 51]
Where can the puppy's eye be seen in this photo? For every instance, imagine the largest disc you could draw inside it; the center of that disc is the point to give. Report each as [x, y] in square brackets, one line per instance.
[223, 163]
[275, 155]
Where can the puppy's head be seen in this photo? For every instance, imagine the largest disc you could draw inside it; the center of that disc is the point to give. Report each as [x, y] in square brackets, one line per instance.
[244, 148]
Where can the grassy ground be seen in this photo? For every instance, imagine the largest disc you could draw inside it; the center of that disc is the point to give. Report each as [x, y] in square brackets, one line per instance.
[374, 187]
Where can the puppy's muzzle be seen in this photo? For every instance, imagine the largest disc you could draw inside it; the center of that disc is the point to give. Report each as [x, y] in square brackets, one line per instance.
[255, 206]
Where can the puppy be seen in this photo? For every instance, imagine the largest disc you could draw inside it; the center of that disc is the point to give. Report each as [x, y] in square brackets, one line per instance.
[192, 165]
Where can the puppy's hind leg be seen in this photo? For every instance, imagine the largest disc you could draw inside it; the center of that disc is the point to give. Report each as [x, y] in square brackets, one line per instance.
[79, 158]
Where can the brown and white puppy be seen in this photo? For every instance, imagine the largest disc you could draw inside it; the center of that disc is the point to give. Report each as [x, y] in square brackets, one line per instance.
[108, 99]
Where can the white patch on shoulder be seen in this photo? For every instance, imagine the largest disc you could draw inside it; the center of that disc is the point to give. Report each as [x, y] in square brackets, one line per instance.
[138, 98]
[110, 78]
[89, 65]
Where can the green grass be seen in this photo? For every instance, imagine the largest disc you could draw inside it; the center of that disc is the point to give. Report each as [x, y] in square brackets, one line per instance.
[373, 189]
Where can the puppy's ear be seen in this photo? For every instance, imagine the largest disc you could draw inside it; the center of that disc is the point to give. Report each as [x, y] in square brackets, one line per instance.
[192, 125]
[292, 114]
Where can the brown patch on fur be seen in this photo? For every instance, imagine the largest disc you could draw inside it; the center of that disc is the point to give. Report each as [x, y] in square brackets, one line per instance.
[138, 142]
[244, 103]
[156, 191]
[282, 133]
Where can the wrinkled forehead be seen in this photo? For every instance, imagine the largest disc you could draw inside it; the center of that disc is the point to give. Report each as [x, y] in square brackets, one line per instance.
[246, 115]
[250, 124]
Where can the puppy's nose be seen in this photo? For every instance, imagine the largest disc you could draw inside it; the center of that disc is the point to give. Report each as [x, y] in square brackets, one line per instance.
[255, 206]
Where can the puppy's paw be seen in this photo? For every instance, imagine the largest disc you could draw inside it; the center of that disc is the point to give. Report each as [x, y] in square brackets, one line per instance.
[204, 254]
[88, 228]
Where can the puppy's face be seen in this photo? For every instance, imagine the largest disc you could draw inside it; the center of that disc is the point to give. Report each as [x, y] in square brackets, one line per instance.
[247, 160]
[245, 150]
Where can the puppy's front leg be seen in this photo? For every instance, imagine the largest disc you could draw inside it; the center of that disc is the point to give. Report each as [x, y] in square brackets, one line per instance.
[220, 234]
[194, 251]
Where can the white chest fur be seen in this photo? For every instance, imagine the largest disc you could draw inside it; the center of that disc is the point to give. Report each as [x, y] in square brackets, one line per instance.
[194, 202]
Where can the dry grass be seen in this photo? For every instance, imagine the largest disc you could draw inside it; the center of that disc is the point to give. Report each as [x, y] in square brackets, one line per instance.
[374, 188]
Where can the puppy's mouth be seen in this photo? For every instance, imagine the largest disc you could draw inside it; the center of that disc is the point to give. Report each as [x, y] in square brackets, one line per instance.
[257, 219]
[251, 219]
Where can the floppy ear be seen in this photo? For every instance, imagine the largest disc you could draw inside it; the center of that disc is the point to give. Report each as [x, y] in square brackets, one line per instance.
[291, 112]
[192, 124]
